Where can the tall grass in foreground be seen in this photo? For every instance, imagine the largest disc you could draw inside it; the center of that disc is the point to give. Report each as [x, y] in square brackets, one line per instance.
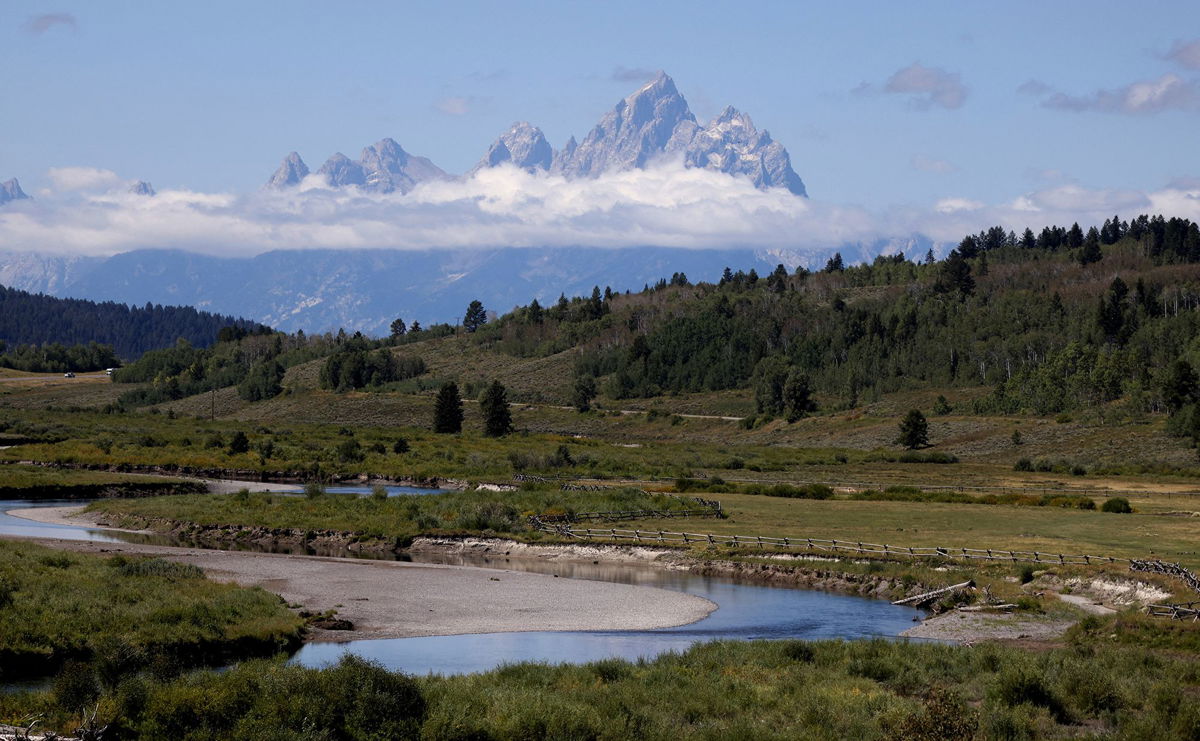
[57, 606]
[762, 690]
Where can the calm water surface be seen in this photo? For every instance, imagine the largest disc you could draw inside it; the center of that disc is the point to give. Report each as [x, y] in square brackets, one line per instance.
[745, 611]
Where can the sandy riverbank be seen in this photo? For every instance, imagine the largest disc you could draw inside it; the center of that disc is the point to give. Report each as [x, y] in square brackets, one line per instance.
[388, 599]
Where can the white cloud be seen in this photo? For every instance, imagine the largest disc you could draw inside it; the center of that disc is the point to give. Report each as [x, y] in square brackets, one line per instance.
[928, 86]
[454, 106]
[954, 205]
[82, 178]
[1169, 92]
[664, 206]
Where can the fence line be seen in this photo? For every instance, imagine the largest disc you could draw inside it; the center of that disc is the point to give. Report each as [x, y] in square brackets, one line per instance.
[1169, 569]
[841, 485]
[1182, 611]
[831, 546]
[563, 525]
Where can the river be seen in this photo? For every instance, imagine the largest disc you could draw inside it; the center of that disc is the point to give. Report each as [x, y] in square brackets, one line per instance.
[745, 611]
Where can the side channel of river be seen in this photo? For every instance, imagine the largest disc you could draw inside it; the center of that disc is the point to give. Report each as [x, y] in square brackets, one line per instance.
[745, 612]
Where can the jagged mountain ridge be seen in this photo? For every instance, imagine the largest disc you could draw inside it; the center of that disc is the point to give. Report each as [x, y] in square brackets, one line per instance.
[653, 122]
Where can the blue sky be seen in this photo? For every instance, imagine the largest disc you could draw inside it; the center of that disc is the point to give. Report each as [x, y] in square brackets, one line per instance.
[883, 106]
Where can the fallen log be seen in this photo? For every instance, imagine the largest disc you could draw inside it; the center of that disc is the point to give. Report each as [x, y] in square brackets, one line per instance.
[927, 596]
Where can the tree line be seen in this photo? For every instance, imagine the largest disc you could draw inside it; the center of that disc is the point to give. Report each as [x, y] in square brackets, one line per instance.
[34, 319]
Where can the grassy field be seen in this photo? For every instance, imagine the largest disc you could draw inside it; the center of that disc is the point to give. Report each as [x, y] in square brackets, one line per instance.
[291, 434]
[24, 482]
[767, 689]
[1148, 533]
[393, 518]
[56, 606]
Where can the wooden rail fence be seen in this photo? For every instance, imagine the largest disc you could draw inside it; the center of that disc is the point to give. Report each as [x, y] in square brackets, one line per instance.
[564, 525]
[1182, 611]
[830, 546]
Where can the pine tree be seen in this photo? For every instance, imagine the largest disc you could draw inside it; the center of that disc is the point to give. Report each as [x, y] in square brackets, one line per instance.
[1074, 237]
[1181, 386]
[584, 392]
[1091, 248]
[239, 443]
[398, 328]
[475, 318]
[956, 275]
[535, 314]
[448, 410]
[497, 416]
[835, 264]
[914, 430]
[797, 396]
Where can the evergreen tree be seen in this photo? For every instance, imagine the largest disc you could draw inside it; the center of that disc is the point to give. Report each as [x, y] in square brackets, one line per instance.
[584, 392]
[1090, 252]
[497, 416]
[475, 318]
[956, 275]
[263, 381]
[797, 396]
[239, 443]
[416, 327]
[448, 410]
[835, 264]
[726, 276]
[398, 328]
[535, 314]
[914, 430]
[777, 280]
[770, 375]
[1074, 237]
[1028, 241]
[1181, 386]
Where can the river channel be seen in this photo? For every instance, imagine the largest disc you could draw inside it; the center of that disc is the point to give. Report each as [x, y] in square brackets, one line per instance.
[745, 611]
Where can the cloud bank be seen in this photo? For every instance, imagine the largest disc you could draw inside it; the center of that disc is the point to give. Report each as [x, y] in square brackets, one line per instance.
[1170, 92]
[89, 212]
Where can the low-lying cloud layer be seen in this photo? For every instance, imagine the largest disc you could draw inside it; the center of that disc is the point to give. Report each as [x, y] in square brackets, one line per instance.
[88, 211]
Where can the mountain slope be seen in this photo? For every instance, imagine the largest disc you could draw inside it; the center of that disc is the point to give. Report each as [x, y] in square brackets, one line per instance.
[36, 319]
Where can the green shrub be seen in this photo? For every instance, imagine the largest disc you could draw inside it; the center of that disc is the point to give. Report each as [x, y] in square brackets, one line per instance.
[1024, 464]
[1117, 505]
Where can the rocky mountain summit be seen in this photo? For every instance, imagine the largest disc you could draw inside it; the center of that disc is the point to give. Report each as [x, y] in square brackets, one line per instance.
[652, 123]
[10, 190]
[291, 171]
[383, 167]
[523, 145]
[142, 188]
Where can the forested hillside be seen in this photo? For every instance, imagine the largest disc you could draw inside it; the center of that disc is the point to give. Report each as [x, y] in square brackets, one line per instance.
[1106, 318]
[1053, 322]
[37, 319]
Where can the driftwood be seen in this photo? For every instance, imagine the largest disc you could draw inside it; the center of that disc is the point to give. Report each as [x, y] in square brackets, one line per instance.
[921, 599]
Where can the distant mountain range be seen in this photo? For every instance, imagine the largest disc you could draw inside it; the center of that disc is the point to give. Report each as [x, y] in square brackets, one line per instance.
[323, 290]
[652, 123]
